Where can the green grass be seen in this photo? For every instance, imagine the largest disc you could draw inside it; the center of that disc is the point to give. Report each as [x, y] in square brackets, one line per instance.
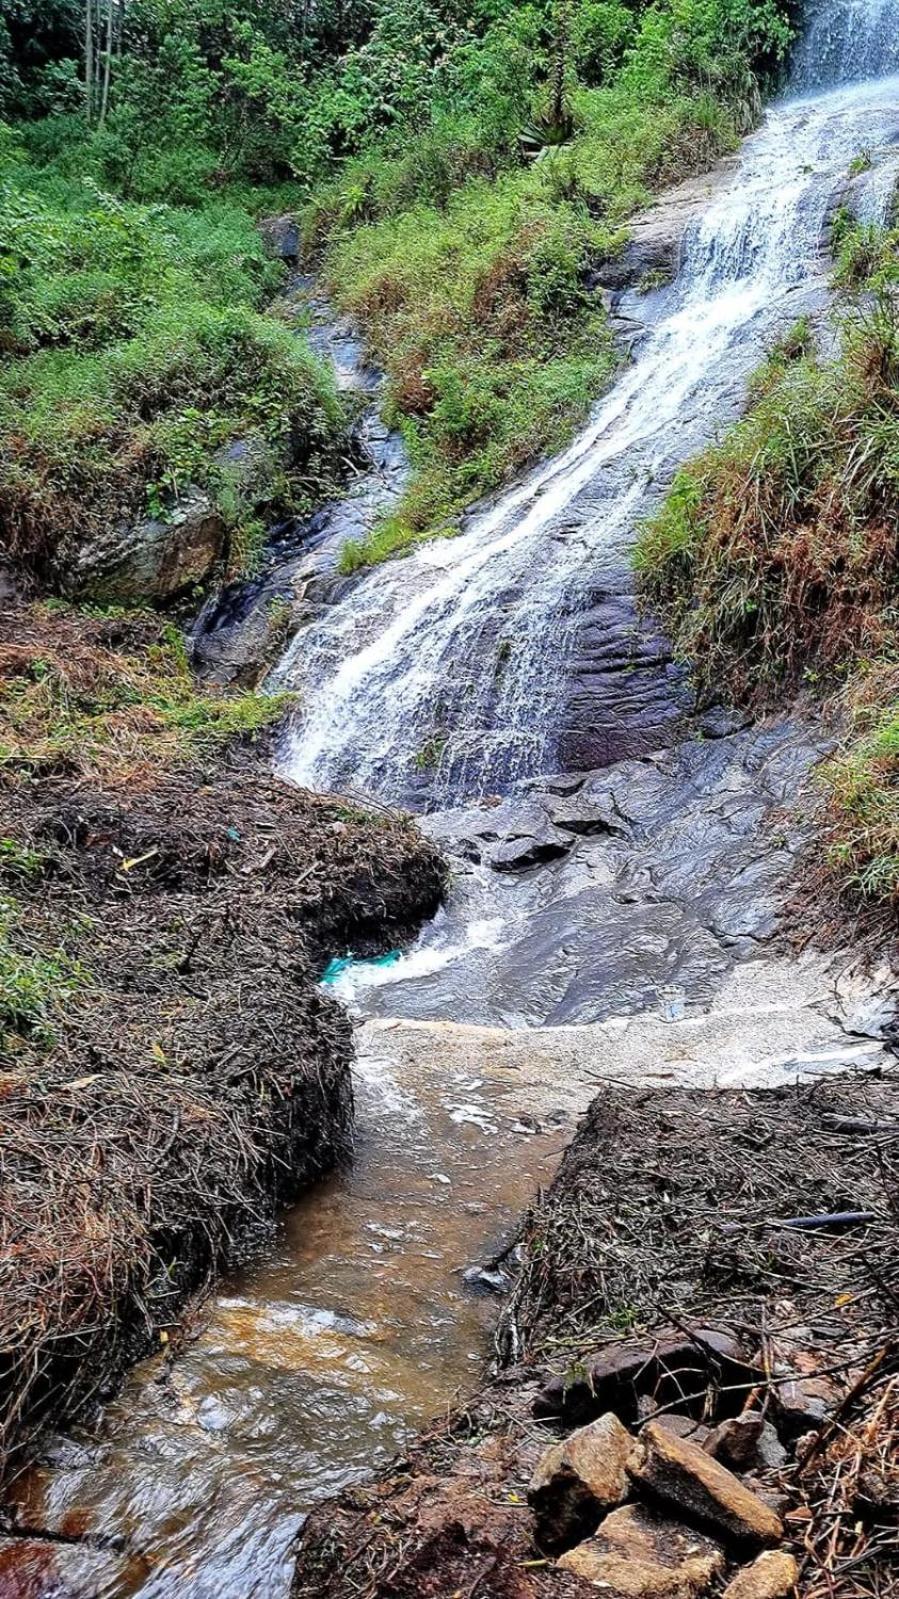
[133, 348]
[774, 561]
[478, 306]
[774, 557]
[35, 983]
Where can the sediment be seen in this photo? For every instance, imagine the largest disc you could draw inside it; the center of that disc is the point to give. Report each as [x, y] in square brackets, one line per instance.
[679, 1273]
[193, 1075]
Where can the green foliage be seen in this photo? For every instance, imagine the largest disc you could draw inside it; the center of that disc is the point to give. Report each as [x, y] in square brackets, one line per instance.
[135, 352]
[774, 560]
[462, 169]
[478, 307]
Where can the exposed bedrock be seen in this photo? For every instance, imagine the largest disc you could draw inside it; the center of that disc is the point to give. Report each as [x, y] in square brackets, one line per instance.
[579, 898]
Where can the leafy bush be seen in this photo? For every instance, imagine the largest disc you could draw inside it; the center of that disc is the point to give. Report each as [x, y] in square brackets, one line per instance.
[136, 352]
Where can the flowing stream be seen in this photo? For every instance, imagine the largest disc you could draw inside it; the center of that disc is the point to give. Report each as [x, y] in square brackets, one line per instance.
[469, 641]
[315, 1364]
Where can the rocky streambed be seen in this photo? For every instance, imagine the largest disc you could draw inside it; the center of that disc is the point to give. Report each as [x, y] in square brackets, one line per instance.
[696, 1390]
[625, 922]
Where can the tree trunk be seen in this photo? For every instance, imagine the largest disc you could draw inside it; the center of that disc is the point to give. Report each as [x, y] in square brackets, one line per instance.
[89, 59]
[107, 66]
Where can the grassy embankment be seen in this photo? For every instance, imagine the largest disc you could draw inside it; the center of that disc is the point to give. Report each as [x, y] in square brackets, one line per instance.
[170, 1067]
[133, 348]
[469, 271]
[775, 560]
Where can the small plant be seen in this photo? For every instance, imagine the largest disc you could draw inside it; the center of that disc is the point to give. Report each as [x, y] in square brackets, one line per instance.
[19, 861]
[862, 162]
[657, 278]
[428, 758]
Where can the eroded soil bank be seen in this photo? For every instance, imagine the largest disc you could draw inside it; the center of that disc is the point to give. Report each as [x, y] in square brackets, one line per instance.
[171, 1069]
[665, 1276]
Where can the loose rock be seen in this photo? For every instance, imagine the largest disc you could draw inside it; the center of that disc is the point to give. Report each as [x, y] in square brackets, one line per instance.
[673, 1368]
[804, 1404]
[772, 1576]
[735, 1441]
[641, 1555]
[578, 1479]
[685, 1475]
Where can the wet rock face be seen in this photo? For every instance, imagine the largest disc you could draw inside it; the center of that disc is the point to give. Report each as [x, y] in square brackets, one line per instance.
[624, 697]
[150, 561]
[655, 239]
[585, 897]
[244, 627]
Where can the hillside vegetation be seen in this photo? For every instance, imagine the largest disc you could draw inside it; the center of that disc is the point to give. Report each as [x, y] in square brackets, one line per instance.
[774, 562]
[457, 169]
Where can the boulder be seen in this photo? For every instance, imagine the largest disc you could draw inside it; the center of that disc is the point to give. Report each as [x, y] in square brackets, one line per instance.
[638, 1554]
[579, 1478]
[683, 1474]
[281, 237]
[151, 561]
[772, 1576]
[674, 1367]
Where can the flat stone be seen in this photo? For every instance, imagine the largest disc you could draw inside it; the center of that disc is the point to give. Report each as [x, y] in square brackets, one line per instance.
[669, 1367]
[638, 1554]
[530, 849]
[772, 1576]
[686, 1476]
[579, 1478]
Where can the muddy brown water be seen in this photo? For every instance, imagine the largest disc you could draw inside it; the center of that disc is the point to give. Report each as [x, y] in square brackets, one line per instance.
[313, 1365]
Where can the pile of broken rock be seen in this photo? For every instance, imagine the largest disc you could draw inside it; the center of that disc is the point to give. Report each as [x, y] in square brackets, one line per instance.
[659, 1515]
[678, 1507]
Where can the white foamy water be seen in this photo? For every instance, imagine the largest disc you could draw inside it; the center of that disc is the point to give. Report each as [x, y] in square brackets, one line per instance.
[462, 646]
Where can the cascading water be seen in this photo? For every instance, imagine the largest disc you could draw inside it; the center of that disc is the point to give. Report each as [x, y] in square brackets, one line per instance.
[315, 1365]
[460, 655]
[847, 41]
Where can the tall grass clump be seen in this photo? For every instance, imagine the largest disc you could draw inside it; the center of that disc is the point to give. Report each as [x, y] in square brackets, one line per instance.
[774, 561]
[774, 557]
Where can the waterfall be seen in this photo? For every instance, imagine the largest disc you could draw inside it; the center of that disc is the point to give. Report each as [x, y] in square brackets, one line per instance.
[459, 657]
[847, 41]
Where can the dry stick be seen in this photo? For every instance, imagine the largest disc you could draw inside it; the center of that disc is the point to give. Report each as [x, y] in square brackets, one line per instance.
[851, 1394]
